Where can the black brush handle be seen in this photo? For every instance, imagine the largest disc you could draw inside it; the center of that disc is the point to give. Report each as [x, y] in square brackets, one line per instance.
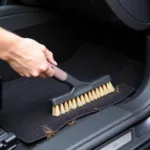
[65, 77]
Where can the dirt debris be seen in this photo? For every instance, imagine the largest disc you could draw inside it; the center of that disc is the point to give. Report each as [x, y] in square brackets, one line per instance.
[49, 132]
[71, 123]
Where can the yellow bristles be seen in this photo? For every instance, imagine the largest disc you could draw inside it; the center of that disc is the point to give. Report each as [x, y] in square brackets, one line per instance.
[105, 90]
[98, 93]
[94, 95]
[86, 98]
[101, 91]
[70, 104]
[56, 111]
[66, 107]
[83, 99]
[74, 103]
[79, 103]
[90, 96]
[62, 109]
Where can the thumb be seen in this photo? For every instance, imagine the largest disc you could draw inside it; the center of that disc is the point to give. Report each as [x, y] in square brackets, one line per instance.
[49, 56]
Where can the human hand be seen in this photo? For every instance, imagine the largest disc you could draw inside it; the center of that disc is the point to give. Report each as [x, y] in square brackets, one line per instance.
[30, 58]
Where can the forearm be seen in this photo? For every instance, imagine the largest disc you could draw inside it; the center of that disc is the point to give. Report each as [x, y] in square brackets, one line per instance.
[7, 40]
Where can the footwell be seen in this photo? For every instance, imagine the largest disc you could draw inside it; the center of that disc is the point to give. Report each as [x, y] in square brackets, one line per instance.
[25, 100]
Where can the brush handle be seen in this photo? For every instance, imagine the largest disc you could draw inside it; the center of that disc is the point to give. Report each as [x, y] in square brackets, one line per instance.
[64, 77]
[58, 73]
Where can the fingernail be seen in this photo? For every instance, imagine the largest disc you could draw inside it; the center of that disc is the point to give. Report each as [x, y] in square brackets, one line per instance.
[55, 62]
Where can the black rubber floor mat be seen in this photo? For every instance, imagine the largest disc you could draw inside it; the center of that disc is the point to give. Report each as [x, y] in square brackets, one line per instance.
[25, 101]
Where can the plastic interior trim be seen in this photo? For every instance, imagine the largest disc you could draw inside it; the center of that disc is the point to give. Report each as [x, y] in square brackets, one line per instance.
[86, 130]
[141, 99]
[125, 17]
[18, 17]
[64, 141]
[8, 10]
[136, 143]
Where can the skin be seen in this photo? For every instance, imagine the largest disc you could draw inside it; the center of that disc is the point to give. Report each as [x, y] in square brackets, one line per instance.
[26, 56]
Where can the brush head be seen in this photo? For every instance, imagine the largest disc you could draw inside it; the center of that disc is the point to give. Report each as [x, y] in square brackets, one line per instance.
[79, 90]
[81, 94]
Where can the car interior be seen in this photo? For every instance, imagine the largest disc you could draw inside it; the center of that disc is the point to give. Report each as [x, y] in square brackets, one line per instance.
[89, 39]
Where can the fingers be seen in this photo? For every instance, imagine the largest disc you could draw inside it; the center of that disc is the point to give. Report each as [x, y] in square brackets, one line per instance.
[47, 71]
[49, 56]
[42, 75]
[50, 71]
[43, 71]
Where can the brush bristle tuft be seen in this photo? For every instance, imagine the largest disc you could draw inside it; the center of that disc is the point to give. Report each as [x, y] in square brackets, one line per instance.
[83, 99]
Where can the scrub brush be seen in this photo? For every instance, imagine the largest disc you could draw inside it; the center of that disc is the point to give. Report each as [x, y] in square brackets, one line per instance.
[81, 94]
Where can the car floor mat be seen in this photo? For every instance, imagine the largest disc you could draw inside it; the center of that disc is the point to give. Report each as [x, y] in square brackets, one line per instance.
[25, 100]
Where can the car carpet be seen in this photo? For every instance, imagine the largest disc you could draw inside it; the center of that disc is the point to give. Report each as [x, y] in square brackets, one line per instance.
[25, 100]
